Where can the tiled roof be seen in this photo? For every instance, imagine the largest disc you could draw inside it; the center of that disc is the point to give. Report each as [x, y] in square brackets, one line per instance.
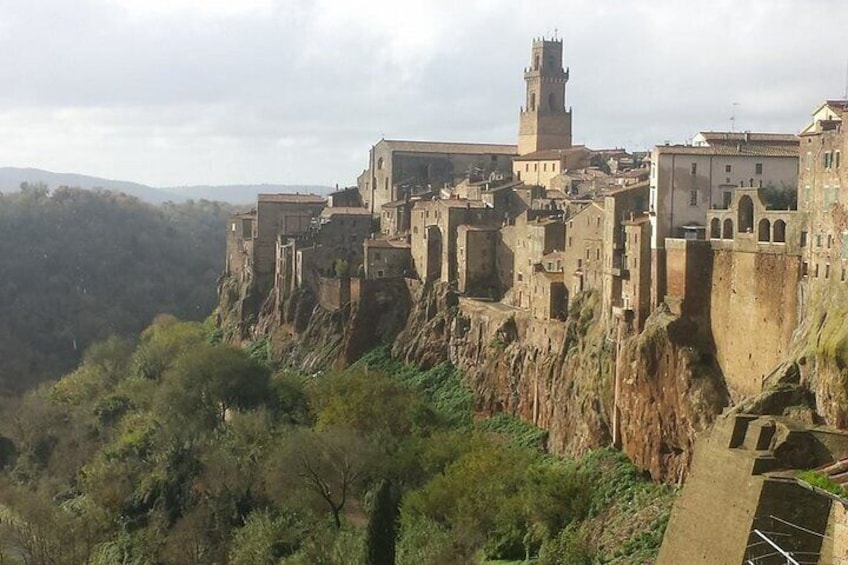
[344, 211]
[453, 203]
[732, 149]
[550, 154]
[395, 204]
[448, 147]
[627, 188]
[747, 137]
[644, 218]
[292, 198]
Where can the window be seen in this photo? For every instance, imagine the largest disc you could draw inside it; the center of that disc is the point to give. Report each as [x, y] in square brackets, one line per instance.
[381, 273]
[826, 159]
[545, 167]
[836, 156]
[532, 101]
[598, 254]
[520, 277]
[535, 166]
[728, 168]
[494, 158]
[694, 168]
[829, 240]
[526, 167]
[553, 167]
[816, 271]
[380, 163]
[808, 163]
[569, 241]
[693, 197]
[377, 255]
[803, 239]
[818, 240]
[387, 183]
[827, 271]
[758, 168]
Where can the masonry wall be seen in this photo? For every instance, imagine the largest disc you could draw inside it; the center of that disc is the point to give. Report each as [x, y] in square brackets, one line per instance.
[753, 312]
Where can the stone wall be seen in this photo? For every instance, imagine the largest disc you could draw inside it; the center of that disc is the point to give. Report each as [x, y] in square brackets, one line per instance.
[753, 311]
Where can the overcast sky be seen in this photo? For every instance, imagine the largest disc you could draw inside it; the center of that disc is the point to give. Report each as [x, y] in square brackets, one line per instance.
[177, 92]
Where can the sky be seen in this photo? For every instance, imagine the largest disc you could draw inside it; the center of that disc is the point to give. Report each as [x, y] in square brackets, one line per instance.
[186, 92]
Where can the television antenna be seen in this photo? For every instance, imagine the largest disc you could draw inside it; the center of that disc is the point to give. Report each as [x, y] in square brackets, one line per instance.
[733, 116]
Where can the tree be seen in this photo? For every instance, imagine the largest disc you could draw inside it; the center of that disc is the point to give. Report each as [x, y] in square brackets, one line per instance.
[380, 540]
[330, 465]
[207, 381]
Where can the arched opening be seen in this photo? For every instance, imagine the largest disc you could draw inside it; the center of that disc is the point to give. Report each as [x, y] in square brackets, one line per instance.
[532, 101]
[434, 253]
[764, 231]
[551, 102]
[779, 231]
[727, 231]
[536, 62]
[745, 215]
[380, 163]
[715, 229]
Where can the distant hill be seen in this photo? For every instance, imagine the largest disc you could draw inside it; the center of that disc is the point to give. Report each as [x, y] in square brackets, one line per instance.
[12, 177]
[241, 193]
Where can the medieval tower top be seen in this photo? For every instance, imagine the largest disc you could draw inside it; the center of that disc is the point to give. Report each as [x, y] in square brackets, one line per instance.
[544, 121]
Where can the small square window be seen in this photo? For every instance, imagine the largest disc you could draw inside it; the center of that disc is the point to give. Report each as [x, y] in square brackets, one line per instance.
[728, 168]
[758, 168]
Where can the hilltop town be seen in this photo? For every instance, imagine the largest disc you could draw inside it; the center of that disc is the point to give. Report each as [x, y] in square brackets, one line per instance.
[703, 261]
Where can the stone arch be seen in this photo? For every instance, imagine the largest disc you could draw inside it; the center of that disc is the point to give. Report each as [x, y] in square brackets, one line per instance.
[764, 231]
[779, 231]
[727, 231]
[745, 215]
[434, 253]
[715, 228]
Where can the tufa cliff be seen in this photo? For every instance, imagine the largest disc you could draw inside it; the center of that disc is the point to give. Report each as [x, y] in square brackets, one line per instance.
[561, 376]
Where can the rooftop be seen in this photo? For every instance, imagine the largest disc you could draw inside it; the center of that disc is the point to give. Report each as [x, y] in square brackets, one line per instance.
[387, 243]
[733, 149]
[712, 137]
[448, 147]
[292, 198]
[344, 211]
[395, 204]
[550, 154]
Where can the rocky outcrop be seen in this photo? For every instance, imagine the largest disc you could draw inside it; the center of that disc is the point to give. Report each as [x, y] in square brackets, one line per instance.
[561, 376]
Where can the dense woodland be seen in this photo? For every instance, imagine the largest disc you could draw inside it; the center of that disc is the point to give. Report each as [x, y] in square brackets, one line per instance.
[78, 266]
[179, 449]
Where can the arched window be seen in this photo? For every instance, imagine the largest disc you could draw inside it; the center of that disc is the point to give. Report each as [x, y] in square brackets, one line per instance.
[380, 163]
[715, 229]
[727, 232]
[551, 102]
[532, 101]
[536, 63]
[745, 215]
[764, 231]
[779, 231]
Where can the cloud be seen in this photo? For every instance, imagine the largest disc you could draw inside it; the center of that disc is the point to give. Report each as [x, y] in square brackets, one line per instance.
[186, 92]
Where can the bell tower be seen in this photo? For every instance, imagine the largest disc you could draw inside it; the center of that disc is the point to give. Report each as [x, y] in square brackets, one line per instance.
[544, 121]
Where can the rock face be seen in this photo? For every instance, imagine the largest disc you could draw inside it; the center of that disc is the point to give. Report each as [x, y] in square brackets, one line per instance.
[560, 376]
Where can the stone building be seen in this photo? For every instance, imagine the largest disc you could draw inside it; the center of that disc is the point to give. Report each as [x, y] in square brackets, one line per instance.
[741, 286]
[337, 234]
[743, 481]
[387, 258]
[689, 180]
[434, 234]
[583, 260]
[345, 198]
[476, 256]
[280, 215]
[533, 236]
[544, 122]
[395, 217]
[821, 178]
[543, 167]
[241, 234]
[620, 205]
[398, 169]
[635, 271]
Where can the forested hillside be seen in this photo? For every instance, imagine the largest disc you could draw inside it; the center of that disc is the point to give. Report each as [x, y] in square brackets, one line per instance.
[77, 266]
[177, 449]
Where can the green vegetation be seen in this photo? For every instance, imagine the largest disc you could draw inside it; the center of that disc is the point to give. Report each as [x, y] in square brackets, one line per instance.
[180, 449]
[79, 266]
[823, 482]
